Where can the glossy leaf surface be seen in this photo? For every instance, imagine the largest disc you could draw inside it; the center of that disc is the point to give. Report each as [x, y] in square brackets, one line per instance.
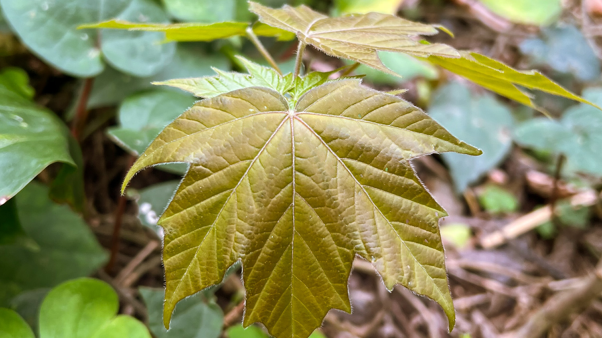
[354, 37]
[49, 29]
[66, 248]
[192, 31]
[31, 138]
[330, 178]
[478, 119]
[86, 308]
[502, 79]
[13, 326]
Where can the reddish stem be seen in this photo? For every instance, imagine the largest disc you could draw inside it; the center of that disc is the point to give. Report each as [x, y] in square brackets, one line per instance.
[81, 112]
[121, 204]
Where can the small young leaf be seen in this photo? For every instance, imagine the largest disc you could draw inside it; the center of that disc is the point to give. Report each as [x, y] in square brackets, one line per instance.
[31, 138]
[265, 177]
[502, 79]
[224, 82]
[66, 247]
[86, 308]
[194, 317]
[479, 120]
[577, 135]
[13, 326]
[354, 37]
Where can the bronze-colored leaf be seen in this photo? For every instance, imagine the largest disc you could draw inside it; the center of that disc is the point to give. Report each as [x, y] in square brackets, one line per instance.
[356, 37]
[296, 194]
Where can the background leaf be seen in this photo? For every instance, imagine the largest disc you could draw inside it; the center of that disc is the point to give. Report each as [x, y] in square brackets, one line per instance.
[10, 228]
[566, 50]
[142, 116]
[13, 326]
[536, 12]
[194, 317]
[67, 248]
[480, 120]
[31, 138]
[27, 305]
[497, 200]
[365, 6]
[111, 87]
[152, 201]
[201, 10]
[77, 52]
[577, 135]
[16, 80]
[86, 308]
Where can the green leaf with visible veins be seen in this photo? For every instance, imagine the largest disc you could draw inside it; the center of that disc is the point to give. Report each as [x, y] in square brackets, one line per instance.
[355, 37]
[502, 79]
[331, 178]
[193, 31]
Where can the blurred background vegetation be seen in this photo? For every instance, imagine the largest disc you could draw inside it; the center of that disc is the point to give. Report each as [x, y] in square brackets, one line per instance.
[523, 238]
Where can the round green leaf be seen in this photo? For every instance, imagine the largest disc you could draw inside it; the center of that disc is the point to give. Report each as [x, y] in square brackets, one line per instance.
[138, 53]
[77, 309]
[121, 327]
[13, 326]
[49, 29]
[31, 138]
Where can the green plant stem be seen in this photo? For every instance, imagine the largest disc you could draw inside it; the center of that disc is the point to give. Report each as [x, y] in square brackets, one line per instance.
[350, 69]
[255, 40]
[299, 60]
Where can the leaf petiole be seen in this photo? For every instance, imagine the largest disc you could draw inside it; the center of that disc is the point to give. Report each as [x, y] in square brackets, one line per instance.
[299, 60]
[251, 35]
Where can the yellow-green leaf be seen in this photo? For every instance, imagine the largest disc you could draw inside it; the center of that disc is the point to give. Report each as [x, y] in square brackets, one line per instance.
[502, 79]
[330, 178]
[193, 31]
[224, 82]
[355, 37]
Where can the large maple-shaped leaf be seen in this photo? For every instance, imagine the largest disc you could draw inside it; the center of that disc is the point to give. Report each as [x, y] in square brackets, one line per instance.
[356, 37]
[296, 194]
